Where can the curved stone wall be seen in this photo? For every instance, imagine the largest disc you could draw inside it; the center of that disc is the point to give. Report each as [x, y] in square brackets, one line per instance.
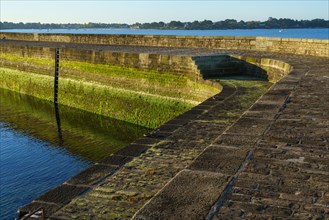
[314, 47]
[195, 67]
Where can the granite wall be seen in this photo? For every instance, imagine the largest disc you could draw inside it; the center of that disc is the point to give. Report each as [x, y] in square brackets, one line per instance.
[195, 67]
[314, 47]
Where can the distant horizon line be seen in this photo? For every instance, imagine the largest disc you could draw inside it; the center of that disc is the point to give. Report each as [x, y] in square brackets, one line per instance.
[270, 23]
[137, 22]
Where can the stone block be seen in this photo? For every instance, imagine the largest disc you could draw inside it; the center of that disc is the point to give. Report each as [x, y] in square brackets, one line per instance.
[236, 140]
[220, 159]
[146, 141]
[249, 126]
[132, 150]
[92, 175]
[115, 160]
[62, 194]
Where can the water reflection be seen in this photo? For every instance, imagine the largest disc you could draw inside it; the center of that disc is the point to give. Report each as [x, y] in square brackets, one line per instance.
[84, 134]
[42, 145]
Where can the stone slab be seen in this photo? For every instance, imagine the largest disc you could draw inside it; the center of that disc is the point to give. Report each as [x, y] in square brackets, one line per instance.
[260, 114]
[266, 107]
[132, 150]
[236, 140]
[115, 160]
[189, 195]
[249, 126]
[146, 141]
[168, 127]
[62, 194]
[92, 175]
[220, 159]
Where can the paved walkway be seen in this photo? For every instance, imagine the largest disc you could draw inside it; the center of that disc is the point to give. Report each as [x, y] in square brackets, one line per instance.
[226, 158]
[273, 163]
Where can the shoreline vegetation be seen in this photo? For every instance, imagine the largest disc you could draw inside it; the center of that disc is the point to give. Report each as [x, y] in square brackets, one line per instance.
[145, 98]
[270, 23]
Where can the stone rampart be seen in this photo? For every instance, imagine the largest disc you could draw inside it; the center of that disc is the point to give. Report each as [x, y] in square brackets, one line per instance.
[144, 61]
[314, 47]
[195, 67]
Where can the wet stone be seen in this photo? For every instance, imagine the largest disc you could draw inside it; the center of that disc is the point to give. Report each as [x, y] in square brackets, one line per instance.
[62, 194]
[92, 175]
[116, 160]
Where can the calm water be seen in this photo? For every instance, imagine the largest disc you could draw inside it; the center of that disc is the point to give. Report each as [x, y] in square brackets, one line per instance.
[318, 33]
[35, 156]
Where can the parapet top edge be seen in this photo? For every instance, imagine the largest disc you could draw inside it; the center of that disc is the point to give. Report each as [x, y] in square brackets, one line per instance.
[316, 40]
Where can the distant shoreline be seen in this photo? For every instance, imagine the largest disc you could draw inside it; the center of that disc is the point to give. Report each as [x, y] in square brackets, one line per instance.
[162, 29]
[228, 24]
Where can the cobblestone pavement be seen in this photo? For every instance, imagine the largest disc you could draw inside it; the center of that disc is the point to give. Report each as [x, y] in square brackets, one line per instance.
[230, 157]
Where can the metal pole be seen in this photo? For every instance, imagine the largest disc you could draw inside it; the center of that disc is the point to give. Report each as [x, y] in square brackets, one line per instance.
[56, 75]
[58, 120]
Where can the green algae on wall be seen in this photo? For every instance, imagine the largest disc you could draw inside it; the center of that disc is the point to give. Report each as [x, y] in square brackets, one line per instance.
[91, 136]
[152, 82]
[143, 109]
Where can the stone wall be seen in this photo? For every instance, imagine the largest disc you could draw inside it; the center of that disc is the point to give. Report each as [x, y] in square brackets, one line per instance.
[299, 46]
[184, 65]
[195, 67]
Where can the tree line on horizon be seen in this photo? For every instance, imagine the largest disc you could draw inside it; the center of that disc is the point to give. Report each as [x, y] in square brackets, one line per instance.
[271, 23]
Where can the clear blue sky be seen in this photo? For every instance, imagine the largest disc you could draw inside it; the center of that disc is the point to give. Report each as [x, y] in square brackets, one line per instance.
[65, 11]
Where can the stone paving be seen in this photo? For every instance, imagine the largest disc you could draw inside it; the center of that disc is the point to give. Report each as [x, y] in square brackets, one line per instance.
[277, 168]
[230, 157]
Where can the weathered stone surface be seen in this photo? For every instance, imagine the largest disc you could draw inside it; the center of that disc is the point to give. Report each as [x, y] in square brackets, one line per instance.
[281, 45]
[92, 175]
[236, 140]
[249, 126]
[146, 141]
[115, 160]
[288, 176]
[62, 194]
[188, 196]
[220, 160]
[132, 150]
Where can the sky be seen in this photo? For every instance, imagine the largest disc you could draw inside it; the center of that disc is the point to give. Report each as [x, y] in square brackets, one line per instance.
[105, 11]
